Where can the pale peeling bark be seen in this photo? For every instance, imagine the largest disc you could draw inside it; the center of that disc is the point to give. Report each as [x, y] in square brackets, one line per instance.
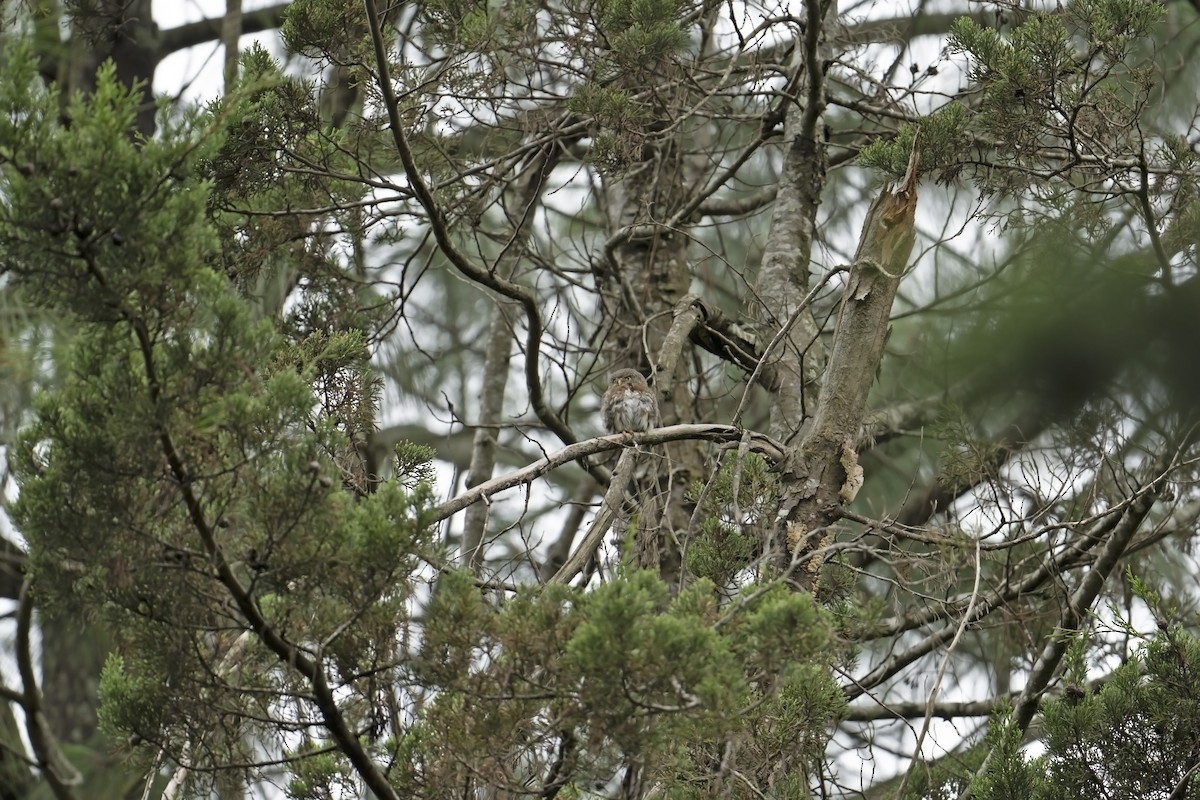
[783, 282]
[783, 278]
[821, 473]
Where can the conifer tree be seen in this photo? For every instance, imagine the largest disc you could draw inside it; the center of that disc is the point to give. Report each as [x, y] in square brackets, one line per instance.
[300, 394]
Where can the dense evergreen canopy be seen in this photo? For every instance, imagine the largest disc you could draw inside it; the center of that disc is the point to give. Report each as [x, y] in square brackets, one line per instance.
[306, 492]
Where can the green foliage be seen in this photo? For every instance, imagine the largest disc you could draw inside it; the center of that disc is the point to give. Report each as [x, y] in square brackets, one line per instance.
[61, 216]
[635, 651]
[1022, 78]
[413, 465]
[136, 700]
[459, 22]
[719, 551]
[487, 28]
[776, 627]
[943, 139]
[318, 775]
[1137, 735]
[271, 125]
[1116, 25]
[202, 475]
[637, 45]
[623, 669]
[1008, 774]
[621, 123]
[643, 33]
[1134, 737]
[196, 457]
[1183, 229]
[1067, 326]
[736, 506]
[1057, 79]
[274, 137]
[329, 29]
[967, 453]
[609, 106]
[944, 778]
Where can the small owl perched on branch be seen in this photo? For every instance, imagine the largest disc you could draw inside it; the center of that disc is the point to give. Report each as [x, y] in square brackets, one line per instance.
[628, 405]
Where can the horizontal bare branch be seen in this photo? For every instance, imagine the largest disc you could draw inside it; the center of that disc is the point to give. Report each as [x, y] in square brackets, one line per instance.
[915, 709]
[439, 227]
[720, 434]
[209, 29]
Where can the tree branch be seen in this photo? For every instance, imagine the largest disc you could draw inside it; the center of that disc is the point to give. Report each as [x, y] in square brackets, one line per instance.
[51, 760]
[498, 353]
[13, 564]
[720, 434]
[1050, 569]
[231, 31]
[208, 29]
[1076, 610]
[785, 274]
[441, 233]
[1081, 601]
[817, 475]
[287, 652]
[914, 709]
[603, 520]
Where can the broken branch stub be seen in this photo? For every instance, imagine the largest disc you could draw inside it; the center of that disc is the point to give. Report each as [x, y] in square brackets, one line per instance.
[888, 233]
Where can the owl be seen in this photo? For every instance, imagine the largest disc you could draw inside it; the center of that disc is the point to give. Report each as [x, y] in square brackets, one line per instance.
[628, 406]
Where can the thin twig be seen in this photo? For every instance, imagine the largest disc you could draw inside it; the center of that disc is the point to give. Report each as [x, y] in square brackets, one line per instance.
[941, 674]
[779, 337]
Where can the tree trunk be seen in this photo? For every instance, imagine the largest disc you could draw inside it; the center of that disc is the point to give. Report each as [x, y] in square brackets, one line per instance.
[123, 30]
[784, 277]
[822, 472]
[16, 776]
[231, 31]
[651, 277]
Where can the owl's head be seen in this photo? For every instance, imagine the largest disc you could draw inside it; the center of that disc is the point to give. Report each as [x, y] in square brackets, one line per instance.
[630, 378]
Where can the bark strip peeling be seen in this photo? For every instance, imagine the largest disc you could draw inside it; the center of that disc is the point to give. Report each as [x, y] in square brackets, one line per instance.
[821, 471]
